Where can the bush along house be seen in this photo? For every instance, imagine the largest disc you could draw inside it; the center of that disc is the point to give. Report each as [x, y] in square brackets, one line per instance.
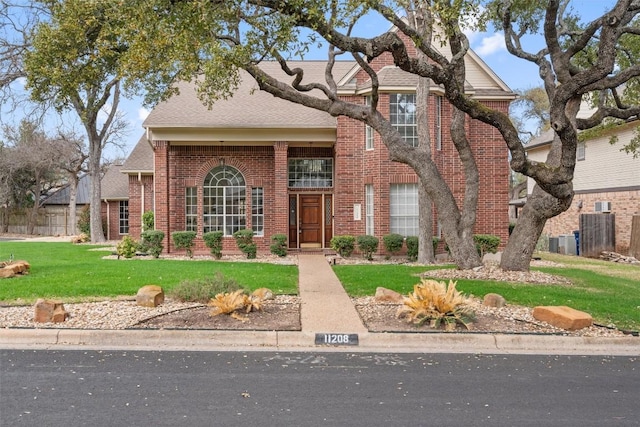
[255, 161]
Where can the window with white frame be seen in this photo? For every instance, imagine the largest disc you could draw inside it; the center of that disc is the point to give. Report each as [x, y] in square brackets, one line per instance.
[580, 151]
[310, 173]
[368, 195]
[191, 209]
[124, 217]
[223, 200]
[403, 209]
[368, 130]
[438, 123]
[257, 211]
[402, 115]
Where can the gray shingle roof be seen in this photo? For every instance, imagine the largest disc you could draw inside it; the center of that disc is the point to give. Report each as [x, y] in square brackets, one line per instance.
[115, 184]
[140, 159]
[248, 107]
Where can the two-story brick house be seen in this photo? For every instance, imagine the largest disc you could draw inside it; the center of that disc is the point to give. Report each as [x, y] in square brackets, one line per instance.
[256, 161]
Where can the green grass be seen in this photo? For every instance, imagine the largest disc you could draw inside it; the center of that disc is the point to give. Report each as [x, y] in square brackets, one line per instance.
[609, 292]
[78, 272]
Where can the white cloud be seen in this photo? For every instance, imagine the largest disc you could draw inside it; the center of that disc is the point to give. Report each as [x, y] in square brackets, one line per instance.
[491, 44]
[143, 113]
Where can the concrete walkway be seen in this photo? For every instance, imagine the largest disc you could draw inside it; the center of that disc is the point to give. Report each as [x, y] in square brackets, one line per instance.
[326, 307]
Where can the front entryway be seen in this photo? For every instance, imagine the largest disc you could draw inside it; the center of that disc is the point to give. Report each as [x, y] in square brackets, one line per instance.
[310, 220]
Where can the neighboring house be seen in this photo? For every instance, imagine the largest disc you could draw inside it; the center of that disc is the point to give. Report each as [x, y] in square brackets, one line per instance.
[54, 217]
[115, 202]
[606, 181]
[256, 161]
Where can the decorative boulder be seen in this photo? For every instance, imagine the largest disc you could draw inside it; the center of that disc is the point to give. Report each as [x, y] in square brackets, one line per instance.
[494, 300]
[387, 295]
[263, 294]
[150, 296]
[563, 317]
[47, 311]
[13, 268]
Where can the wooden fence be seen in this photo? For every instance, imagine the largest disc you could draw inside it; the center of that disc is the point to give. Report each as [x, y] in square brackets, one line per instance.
[597, 234]
[634, 244]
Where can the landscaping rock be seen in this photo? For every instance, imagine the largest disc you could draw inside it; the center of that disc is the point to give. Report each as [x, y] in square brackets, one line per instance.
[494, 300]
[387, 295]
[13, 268]
[563, 317]
[6, 273]
[47, 311]
[150, 296]
[263, 294]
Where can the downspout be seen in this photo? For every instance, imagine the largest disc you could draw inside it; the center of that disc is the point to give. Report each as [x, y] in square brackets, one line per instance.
[108, 219]
[141, 201]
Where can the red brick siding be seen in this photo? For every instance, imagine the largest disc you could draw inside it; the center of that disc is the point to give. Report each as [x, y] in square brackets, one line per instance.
[624, 205]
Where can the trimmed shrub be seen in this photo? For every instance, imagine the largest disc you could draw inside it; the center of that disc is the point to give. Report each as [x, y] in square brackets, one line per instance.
[368, 245]
[151, 242]
[244, 240]
[84, 221]
[202, 290]
[184, 240]
[147, 221]
[486, 243]
[343, 245]
[127, 247]
[392, 243]
[213, 240]
[279, 245]
[412, 248]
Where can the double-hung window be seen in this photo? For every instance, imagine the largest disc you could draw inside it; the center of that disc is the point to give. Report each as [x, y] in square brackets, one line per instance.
[403, 209]
[368, 130]
[368, 195]
[124, 217]
[402, 114]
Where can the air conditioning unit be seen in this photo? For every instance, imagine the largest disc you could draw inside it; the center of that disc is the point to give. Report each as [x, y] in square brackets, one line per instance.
[603, 207]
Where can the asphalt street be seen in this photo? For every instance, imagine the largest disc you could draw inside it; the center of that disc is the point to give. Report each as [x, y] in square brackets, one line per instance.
[173, 388]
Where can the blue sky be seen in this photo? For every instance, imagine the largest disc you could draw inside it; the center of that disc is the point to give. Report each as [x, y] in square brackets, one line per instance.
[516, 73]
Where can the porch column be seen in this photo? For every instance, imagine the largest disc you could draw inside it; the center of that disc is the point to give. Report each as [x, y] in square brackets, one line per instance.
[161, 183]
[281, 198]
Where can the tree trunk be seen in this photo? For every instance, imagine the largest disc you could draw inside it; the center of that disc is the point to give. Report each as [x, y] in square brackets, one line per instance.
[95, 209]
[425, 227]
[540, 206]
[73, 196]
[522, 243]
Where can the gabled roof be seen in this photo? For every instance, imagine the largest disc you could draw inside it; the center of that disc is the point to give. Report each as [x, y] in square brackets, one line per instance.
[115, 184]
[141, 158]
[63, 195]
[249, 107]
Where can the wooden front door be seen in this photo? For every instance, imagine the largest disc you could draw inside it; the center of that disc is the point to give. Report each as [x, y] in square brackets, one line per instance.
[311, 221]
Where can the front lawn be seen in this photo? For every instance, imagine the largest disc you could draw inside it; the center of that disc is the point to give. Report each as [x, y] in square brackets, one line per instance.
[78, 272]
[609, 292]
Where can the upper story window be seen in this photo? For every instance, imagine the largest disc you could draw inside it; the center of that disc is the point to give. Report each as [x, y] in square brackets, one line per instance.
[580, 151]
[402, 114]
[438, 122]
[368, 130]
[310, 173]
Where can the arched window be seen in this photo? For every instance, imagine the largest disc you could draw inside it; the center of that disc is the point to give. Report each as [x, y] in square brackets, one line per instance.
[224, 200]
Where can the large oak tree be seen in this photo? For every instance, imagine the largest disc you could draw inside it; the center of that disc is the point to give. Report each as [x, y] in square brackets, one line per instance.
[183, 39]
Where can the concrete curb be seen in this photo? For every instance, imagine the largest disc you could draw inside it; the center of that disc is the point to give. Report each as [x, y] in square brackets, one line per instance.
[209, 340]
